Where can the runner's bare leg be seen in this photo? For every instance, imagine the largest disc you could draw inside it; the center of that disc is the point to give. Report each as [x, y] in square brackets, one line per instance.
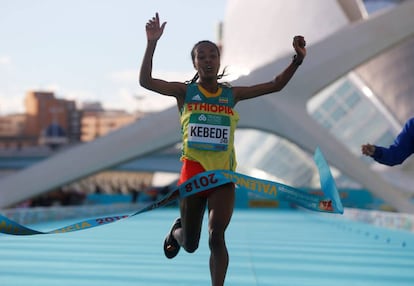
[220, 210]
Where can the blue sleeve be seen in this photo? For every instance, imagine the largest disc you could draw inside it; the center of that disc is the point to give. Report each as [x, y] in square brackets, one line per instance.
[400, 150]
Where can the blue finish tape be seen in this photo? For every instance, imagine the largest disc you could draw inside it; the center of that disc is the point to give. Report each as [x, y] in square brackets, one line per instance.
[330, 202]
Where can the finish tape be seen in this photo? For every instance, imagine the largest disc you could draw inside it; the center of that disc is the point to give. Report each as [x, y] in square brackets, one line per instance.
[330, 202]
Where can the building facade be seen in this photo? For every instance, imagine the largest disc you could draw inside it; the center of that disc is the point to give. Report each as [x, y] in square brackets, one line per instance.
[51, 120]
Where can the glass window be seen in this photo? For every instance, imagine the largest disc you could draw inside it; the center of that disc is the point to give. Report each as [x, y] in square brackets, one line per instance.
[338, 113]
[352, 99]
[328, 104]
[344, 89]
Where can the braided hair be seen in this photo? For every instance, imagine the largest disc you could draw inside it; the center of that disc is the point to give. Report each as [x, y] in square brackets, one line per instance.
[193, 54]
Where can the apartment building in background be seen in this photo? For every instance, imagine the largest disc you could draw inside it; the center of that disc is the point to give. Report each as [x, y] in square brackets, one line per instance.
[12, 132]
[97, 122]
[53, 121]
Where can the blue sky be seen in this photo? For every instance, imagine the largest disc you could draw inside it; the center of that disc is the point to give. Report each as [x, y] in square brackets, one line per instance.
[91, 50]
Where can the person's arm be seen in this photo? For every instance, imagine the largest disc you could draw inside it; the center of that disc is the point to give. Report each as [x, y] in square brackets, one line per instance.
[280, 81]
[396, 153]
[154, 32]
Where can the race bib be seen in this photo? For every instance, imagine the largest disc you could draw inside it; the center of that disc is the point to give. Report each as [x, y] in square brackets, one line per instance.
[209, 132]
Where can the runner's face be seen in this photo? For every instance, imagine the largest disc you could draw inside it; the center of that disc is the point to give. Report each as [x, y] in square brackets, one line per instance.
[207, 60]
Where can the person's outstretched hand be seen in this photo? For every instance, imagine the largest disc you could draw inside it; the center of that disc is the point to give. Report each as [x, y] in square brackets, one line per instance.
[299, 44]
[368, 149]
[153, 28]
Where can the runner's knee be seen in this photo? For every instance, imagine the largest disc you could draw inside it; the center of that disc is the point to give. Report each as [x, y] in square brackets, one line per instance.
[216, 239]
[190, 246]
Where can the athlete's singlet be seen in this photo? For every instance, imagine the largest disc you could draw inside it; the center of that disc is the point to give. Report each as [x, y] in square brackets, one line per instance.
[208, 123]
